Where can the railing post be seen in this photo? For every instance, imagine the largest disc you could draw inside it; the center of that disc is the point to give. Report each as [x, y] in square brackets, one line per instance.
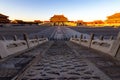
[90, 40]
[15, 38]
[81, 37]
[3, 38]
[115, 49]
[111, 37]
[3, 50]
[37, 38]
[75, 36]
[26, 38]
[101, 37]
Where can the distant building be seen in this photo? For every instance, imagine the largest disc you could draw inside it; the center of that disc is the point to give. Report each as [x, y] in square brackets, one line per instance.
[38, 21]
[23, 22]
[80, 22]
[58, 20]
[4, 19]
[46, 21]
[96, 23]
[113, 20]
[17, 21]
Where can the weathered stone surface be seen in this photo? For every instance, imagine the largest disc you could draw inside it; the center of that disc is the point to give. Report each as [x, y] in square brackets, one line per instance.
[62, 63]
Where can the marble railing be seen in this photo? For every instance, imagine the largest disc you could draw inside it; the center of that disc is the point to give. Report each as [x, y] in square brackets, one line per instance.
[9, 47]
[111, 47]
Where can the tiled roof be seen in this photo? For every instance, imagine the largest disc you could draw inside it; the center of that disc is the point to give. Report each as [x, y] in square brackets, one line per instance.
[116, 15]
[1, 15]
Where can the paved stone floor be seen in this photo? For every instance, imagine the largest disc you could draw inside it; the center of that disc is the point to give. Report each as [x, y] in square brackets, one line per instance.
[60, 62]
[11, 66]
[104, 62]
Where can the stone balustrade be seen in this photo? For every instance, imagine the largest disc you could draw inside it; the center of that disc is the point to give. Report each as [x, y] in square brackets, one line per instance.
[111, 47]
[9, 47]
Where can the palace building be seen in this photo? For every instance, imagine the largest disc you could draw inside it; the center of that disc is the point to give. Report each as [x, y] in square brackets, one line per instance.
[17, 21]
[4, 19]
[58, 20]
[113, 20]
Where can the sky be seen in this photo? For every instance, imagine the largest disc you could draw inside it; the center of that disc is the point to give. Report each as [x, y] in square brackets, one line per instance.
[86, 10]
